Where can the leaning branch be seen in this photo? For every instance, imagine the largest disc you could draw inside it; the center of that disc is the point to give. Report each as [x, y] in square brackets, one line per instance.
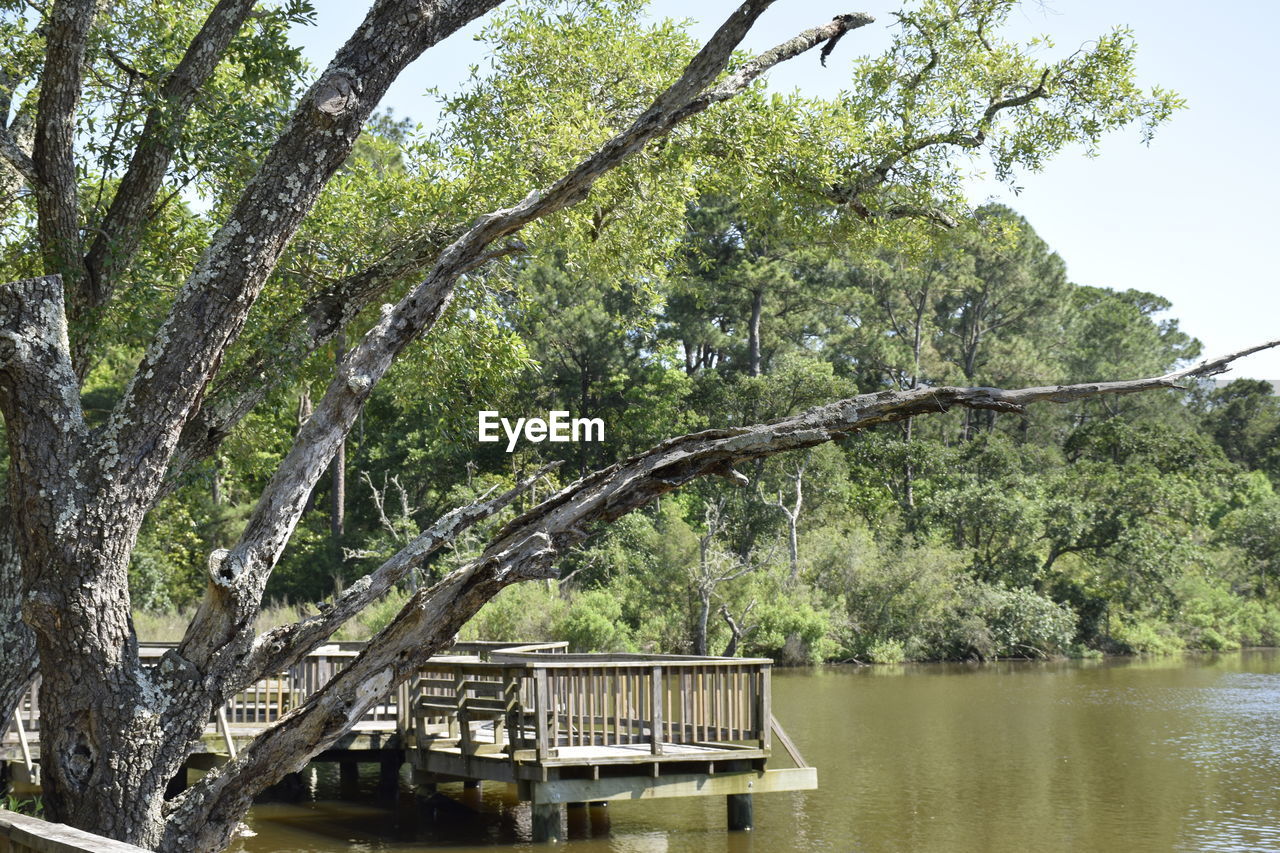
[525, 548]
[238, 579]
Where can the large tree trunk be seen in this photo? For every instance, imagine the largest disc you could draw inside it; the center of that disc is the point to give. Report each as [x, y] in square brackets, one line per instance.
[17, 643]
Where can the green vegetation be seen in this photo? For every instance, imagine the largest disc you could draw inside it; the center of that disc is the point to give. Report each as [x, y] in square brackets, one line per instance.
[1139, 524]
[778, 253]
[33, 806]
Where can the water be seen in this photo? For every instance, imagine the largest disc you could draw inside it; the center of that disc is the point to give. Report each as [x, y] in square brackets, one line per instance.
[1176, 754]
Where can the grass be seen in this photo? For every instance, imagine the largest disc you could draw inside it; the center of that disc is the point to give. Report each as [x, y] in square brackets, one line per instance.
[167, 626]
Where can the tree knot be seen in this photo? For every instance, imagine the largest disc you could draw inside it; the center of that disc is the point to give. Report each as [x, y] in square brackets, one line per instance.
[336, 95]
[225, 567]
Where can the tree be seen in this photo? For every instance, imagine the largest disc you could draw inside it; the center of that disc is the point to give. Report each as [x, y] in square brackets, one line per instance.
[95, 238]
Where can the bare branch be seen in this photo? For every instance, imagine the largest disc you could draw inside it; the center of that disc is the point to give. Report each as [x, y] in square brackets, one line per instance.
[615, 491]
[281, 647]
[121, 229]
[212, 307]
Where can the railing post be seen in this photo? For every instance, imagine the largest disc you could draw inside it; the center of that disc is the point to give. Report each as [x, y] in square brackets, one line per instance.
[32, 773]
[541, 705]
[655, 724]
[511, 693]
[766, 707]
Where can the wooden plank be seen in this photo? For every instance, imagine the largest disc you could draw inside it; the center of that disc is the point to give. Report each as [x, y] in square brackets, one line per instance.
[786, 743]
[766, 708]
[26, 833]
[681, 785]
[541, 707]
[656, 710]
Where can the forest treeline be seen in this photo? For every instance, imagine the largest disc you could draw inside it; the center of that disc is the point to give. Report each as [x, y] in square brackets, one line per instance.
[780, 252]
[1131, 524]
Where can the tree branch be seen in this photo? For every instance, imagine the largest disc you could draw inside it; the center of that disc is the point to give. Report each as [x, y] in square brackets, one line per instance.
[525, 547]
[238, 580]
[212, 307]
[53, 155]
[121, 229]
[15, 148]
[282, 647]
[17, 137]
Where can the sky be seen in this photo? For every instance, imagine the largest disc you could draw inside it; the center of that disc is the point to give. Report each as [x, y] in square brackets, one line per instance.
[1193, 217]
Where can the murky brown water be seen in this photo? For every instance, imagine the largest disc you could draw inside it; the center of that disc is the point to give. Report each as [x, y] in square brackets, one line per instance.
[1134, 756]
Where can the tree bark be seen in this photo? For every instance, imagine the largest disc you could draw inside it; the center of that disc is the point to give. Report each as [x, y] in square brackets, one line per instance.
[753, 332]
[17, 643]
[338, 477]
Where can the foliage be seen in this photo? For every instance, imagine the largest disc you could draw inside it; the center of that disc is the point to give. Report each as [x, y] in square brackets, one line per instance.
[780, 252]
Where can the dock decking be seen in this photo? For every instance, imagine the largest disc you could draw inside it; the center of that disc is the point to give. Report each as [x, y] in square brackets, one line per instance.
[563, 728]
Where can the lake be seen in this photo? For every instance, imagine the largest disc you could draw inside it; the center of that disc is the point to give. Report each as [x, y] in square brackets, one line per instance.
[1123, 754]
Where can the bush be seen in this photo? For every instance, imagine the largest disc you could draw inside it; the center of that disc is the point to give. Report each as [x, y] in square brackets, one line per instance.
[593, 623]
[521, 612]
[792, 632]
[886, 651]
[1021, 622]
[1145, 636]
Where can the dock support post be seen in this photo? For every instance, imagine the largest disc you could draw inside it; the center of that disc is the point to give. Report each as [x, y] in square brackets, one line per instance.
[546, 822]
[740, 811]
[348, 778]
[389, 773]
[471, 783]
[424, 783]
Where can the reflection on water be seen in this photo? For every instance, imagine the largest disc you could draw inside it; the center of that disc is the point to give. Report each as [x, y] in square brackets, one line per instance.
[1176, 754]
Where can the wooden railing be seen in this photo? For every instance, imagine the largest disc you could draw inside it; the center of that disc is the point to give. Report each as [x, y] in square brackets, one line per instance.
[23, 834]
[550, 703]
[535, 700]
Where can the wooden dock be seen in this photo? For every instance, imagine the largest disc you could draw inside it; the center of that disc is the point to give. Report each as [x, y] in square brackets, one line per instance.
[563, 728]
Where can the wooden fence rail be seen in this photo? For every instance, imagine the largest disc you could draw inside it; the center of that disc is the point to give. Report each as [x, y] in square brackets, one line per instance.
[554, 703]
[23, 834]
[534, 701]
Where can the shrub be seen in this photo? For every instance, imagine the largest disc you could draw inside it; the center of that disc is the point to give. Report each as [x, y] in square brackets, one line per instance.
[593, 623]
[886, 651]
[521, 612]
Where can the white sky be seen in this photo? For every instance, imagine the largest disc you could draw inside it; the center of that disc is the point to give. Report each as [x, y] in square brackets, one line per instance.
[1192, 217]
